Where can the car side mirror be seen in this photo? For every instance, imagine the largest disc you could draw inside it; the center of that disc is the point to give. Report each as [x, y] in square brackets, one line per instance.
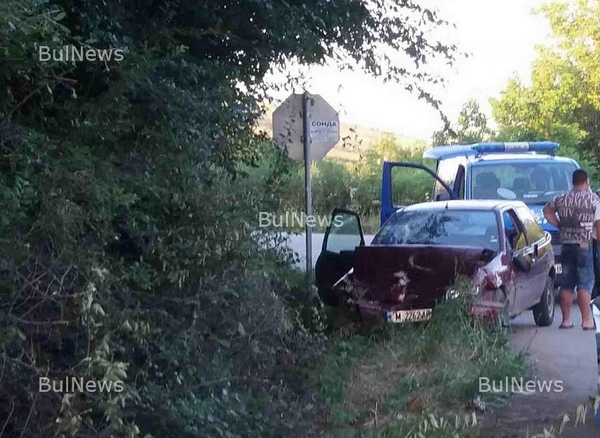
[521, 263]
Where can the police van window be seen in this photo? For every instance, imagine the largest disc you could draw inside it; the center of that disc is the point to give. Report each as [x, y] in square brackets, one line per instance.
[531, 182]
[446, 170]
[459, 185]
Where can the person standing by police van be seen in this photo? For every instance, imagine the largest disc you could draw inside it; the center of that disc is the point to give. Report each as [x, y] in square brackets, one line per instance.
[579, 213]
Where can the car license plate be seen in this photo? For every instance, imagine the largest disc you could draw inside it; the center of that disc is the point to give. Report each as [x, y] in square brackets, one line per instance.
[558, 268]
[409, 315]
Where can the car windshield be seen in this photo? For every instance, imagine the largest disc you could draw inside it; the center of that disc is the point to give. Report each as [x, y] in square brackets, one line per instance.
[530, 182]
[440, 227]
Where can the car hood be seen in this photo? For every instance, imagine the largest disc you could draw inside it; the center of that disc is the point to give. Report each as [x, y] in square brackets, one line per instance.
[412, 276]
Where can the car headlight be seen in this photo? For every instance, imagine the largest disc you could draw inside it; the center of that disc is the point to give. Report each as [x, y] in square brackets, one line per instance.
[452, 294]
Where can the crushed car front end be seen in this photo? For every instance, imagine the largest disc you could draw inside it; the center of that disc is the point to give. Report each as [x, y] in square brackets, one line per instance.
[403, 283]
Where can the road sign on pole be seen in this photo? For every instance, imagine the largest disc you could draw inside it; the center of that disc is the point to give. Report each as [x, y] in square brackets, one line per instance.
[288, 126]
[307, 127]
[306, 139]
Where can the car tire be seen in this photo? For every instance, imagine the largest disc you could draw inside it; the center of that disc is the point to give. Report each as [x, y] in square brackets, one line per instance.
[543, 312]
[345, 318]
[329, 298]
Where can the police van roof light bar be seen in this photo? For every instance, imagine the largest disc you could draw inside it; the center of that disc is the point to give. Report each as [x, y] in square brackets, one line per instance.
[533, 146]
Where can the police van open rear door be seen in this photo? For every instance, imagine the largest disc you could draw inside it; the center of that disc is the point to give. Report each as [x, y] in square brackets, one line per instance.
[405, 183]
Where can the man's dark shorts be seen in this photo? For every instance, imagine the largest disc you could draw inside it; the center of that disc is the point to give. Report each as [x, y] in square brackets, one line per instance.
[577, 267]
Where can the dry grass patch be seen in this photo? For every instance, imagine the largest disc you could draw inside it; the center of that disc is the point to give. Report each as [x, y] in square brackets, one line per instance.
[373, 381]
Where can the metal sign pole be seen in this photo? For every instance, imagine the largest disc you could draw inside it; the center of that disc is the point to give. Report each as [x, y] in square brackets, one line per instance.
[307, 181]
[307, 138]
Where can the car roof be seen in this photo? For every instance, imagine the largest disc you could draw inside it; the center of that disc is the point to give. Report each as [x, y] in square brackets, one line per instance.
[470, 204]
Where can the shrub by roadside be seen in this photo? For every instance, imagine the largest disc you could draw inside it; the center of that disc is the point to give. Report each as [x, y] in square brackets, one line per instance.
[209, 332]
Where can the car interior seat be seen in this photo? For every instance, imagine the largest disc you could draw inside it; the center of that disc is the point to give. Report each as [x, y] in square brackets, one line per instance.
[486, 186]
[509, 230]
[521, 185]
[540, 179]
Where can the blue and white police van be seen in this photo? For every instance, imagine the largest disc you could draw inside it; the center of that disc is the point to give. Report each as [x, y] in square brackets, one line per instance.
[526, 171]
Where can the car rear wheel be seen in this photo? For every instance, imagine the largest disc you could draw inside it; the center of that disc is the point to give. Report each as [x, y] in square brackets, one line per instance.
[328, 298]
[543, 312]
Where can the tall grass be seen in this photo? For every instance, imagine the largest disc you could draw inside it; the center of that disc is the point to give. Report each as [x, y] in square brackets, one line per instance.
[403, 380]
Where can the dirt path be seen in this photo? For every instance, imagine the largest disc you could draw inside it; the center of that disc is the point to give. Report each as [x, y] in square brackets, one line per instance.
[576, 367]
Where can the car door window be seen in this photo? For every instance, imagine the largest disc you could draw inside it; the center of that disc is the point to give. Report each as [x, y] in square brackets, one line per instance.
[344, 233]
[532, 229]
[515, 232]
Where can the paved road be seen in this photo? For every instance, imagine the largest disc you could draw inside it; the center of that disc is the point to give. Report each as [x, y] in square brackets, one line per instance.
[576, 366]
[566, 355]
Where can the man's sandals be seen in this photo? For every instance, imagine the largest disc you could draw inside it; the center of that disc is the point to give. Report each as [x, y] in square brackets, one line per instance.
[564, 327]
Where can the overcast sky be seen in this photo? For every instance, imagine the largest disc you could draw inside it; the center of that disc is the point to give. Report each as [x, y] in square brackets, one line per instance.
[499, 34]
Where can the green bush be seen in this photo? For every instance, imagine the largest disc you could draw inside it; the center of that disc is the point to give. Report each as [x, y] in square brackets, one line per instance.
[332, 186]
[355, 186]
[130, 193]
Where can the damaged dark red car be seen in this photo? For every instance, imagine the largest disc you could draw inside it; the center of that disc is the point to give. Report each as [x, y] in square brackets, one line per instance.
[417, 256]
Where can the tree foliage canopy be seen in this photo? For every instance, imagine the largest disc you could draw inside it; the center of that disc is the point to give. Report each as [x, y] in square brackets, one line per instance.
[471, 127]
[128, 240]
[563, 100]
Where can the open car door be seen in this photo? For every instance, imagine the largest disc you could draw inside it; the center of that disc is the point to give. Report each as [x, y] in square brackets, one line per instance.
[405, 183]
[343, 235]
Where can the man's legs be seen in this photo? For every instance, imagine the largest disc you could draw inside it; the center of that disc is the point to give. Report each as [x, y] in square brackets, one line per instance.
[596, 247]
[569, 281]
[584, 301]
[585, 284]
[566, 299]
